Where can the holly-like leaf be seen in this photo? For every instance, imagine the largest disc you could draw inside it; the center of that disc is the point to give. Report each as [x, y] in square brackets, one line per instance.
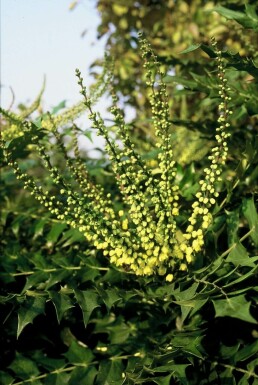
[110, 373]
[88, 301]
[24, 367]
[62, 303]
[239, 256]
[28, 311]
[235, 307]
[109, 296]
[79, 354]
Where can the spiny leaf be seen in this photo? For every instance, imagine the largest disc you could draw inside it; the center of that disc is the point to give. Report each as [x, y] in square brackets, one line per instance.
[79, 354]
[83, 376]
[246, 352]
[239, 256]
[5, 378]
[62, 303]
[26, 313]
[110, 373]
[88, 301]
[235, 307]
[24, 367]
[109, 296]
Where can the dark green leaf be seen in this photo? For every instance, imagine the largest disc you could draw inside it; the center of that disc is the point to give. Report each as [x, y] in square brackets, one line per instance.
[179, 373]
[83, 376]
[110, 373]
[57, 277]
[28, 311]
[62, 303]
[88, 301]
[24, 367]
[34, 280]
[58, 379]
[5, 378]
[246, 352]
[109, 296]
[79, 354]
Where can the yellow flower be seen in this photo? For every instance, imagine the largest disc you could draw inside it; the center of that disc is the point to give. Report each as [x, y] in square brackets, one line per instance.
[169, 278]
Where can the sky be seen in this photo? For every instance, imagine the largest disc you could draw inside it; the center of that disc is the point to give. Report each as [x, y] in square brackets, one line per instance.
[43, 37]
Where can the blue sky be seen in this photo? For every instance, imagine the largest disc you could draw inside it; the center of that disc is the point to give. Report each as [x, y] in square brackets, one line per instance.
[43, 37]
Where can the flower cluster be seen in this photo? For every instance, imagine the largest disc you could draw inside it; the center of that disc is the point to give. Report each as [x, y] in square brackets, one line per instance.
[201, 216]
[140, 236]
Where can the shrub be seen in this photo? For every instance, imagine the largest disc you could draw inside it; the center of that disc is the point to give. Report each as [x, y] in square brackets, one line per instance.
[151, 279]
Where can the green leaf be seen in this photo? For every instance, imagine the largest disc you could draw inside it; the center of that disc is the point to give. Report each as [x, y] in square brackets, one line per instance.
[239, 256]
[88, 301]
[179, 372]
[250, 213]
[229, 13]
[246, 352]
[109, 296]
[235, 307]
[192, 47]
[24, 367]
[39, 227]
[34, 280]
[79, 354]
[58, 107]
[189, 84]
[188, 343]
[57, 379]
[62, 303]
[71, 236]
[186, 294]
[247, 20]
[110, 373]
[83, 376]
[55, 231]
[57, 277]
[5, 378]
[232, 226]
[118, 333]
[26, 313]
[162, 380]
[88, 135]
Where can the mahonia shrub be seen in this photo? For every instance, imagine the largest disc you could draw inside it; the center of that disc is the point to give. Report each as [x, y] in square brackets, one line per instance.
[147, 273]
[143, 237]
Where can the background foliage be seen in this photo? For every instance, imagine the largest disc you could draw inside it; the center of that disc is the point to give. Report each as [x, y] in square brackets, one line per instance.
[67, 316]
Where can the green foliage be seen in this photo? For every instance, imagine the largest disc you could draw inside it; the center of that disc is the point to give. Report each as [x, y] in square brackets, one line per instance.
[68, 315]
